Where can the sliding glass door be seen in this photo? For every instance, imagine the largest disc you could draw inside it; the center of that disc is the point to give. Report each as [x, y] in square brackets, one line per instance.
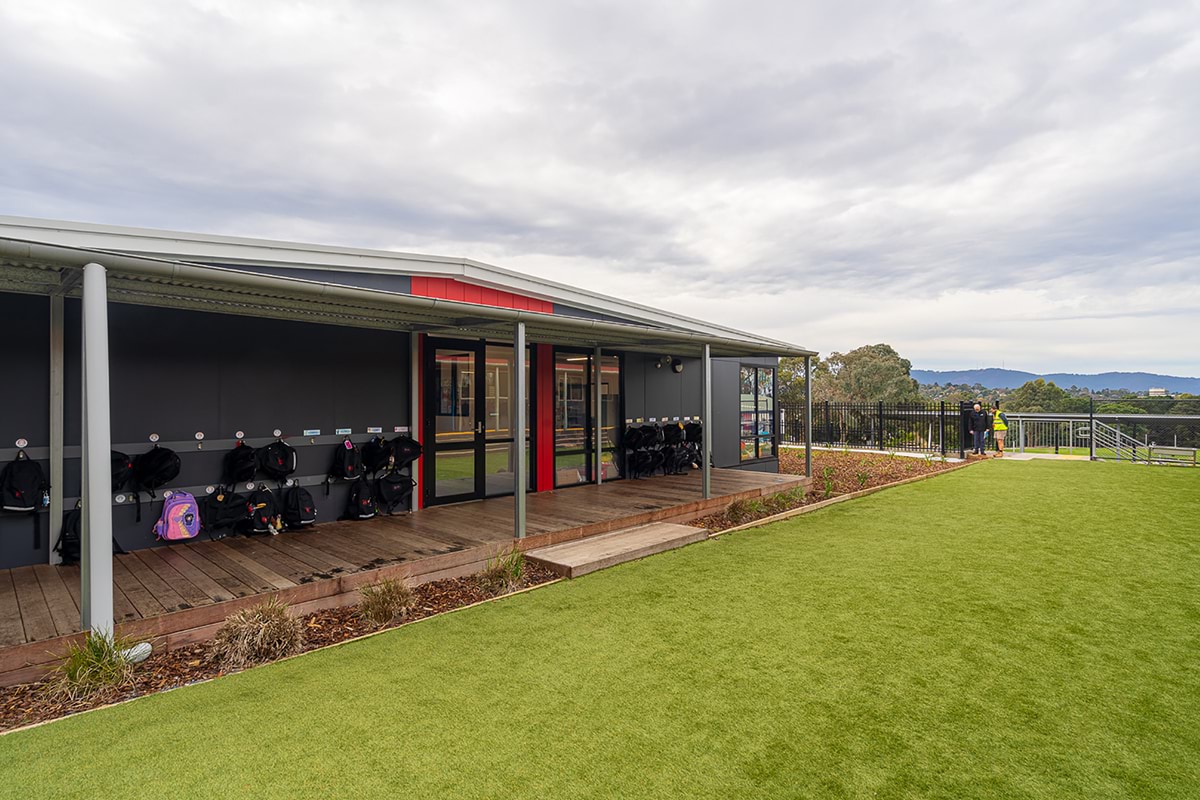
[574, 401]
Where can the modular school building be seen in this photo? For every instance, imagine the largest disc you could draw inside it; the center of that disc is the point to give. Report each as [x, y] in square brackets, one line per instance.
[123, 338]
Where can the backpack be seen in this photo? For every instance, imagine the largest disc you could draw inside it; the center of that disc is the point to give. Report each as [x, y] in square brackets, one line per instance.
[347, 464]
[224, 511]
[299, 510]
[23, 488]
[405, 450]
[152, 470]
[393, 490]
[632, 438]
[70, 541]
[277, 460]
[240, 464]
[673, 434]
[180, 518]
[361, 502]
[263, 512]
[693, 433]
[376, 454]
[122, 470]
[651, 435]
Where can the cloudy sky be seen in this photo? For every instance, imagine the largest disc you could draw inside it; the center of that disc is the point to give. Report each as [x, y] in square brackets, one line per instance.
[977, 183]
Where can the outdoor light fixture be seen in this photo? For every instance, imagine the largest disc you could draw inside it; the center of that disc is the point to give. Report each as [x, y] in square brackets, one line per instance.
[677, 365]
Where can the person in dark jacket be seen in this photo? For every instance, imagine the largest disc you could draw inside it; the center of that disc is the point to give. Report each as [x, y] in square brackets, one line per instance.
[978, 424]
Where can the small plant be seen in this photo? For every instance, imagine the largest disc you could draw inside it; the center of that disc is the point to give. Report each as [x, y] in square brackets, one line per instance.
[741, 511]
[504, 572]
[381, 603]
[94, 666]
[256, 635]
[862, 479]
[827, 480]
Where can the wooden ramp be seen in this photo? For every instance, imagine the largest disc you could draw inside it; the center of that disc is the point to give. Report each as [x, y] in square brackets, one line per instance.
[597, 552]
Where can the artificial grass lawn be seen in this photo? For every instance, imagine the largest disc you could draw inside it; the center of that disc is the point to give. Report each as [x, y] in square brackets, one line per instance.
[1009, 630]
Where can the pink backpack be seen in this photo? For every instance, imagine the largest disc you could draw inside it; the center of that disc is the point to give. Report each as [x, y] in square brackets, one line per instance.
[180, 518]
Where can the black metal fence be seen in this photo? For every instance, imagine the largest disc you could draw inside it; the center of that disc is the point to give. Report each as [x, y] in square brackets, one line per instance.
[911, 427]
[1141, 429]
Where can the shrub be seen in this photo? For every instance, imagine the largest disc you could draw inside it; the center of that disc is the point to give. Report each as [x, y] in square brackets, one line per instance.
[827, 480]
[257, 635]
[504, 572]
[741, 511]
[862, 478]
[384, 601]
[94, 666]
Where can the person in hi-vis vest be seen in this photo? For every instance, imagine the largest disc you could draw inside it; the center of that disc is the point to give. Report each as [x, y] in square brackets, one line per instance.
[999, 428]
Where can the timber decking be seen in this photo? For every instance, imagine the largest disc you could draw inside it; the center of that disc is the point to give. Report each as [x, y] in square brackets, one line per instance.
[591, 553]
[178, 593]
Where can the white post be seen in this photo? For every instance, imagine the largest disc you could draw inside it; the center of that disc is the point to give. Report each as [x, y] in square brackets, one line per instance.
[808, 438]
[56, 424]
[706, 419]
[414, 411]
[598, 416]
[518, 395]
[96, 595]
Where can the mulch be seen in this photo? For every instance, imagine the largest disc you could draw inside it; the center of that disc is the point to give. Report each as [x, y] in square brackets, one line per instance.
[834, 473]
[30, 702]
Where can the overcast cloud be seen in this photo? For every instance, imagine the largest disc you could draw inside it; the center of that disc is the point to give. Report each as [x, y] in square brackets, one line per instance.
[975, 183]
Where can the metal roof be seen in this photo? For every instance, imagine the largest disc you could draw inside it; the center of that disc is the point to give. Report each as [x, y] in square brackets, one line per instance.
[41, 268]
[204, 250]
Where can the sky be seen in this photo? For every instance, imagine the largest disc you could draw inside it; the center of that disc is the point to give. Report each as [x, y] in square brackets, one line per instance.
[977, 183]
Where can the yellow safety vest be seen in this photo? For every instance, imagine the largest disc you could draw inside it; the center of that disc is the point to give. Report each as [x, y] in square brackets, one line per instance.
[998, 423]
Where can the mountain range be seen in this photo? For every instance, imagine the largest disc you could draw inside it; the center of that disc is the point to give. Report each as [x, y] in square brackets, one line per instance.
[995, 378]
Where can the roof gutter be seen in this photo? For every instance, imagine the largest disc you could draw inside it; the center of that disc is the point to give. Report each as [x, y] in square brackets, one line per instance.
[171, 270]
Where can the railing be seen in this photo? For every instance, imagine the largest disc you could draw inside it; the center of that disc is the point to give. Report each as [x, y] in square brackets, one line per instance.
[910, 427]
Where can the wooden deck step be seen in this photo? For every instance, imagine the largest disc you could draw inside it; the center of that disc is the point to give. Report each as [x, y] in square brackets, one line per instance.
[582, 556]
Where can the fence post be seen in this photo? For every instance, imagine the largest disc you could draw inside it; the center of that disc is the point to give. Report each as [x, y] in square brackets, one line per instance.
[828, 425]
[962, 433]
[1021, 433]
[1092, 428]
[942, 429]
[881, 425]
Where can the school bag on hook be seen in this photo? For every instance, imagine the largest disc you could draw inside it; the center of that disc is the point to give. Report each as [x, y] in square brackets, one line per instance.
[360, 504]
[632, 438]
[376, 455]
[393, 490]
[277, 460]
[240, 464]
[23, 489]
[299, 510]
[264, 514]
[153, 470]
[122, 470]
[405, 450]
[180, 518]
[224, 511]
[347, 464]
[673, 433]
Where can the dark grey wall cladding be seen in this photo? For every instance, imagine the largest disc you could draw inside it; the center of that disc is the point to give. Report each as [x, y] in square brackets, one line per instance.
[361, 280]
[571, 311]
[178, 372]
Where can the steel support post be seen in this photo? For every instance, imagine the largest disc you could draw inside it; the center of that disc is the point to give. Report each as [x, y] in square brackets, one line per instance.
[56, 425]
[808, 431]
[598, 417]
[706, 413]
[518, 395]
[96, 593]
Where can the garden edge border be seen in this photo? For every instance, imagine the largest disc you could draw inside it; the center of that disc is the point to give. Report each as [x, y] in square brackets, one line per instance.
[795, 512]
[285, 658]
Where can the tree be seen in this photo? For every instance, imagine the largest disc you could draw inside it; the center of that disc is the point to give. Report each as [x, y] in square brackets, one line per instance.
[1040, 396]
[867, 374]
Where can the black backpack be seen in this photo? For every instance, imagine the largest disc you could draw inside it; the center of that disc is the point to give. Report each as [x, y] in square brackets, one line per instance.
[70, 539]
[405, 450]
[347, 464]
[153, 470]
[23, 488]
[223, 511]
[693, 432]
[651, 435]
[673, 433]
[122, 470]
[263, 512]
[393, 491]
[361, 502]
[277, 460]
[632, 438]
[299, 510]
[240, 464]
[376, 455]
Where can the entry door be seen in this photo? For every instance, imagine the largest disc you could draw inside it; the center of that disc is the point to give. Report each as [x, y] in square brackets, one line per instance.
[468, 420]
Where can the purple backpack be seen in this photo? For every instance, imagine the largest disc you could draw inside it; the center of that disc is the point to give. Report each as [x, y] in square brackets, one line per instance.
[180, 518]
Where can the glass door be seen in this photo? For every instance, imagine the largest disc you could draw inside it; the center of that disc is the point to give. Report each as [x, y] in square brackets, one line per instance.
[574, 402]
[469, 421]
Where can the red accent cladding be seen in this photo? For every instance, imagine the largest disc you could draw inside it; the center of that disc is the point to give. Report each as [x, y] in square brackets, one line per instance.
[454, 289]
[544, 389]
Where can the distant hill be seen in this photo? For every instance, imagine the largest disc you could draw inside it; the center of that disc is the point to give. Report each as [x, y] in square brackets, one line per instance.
[994, 378]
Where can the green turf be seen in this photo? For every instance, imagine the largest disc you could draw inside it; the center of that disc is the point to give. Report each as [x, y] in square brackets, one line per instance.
[1009, 630]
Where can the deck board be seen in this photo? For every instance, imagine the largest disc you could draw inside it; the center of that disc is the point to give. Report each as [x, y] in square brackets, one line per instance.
[161, 588]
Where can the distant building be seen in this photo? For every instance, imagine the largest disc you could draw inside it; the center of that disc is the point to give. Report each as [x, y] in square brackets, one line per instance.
[1157, 391]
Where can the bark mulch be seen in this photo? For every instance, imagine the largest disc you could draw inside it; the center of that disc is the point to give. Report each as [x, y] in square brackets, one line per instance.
[31, 702]
[834, 473]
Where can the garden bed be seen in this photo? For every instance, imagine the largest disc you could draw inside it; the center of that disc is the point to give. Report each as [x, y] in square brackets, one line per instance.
[31, 702]
[835, 473]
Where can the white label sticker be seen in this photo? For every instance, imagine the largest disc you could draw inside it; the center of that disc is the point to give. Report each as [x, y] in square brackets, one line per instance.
[277, 432]
[240, 435]
[654, 419]
[22, 443]
[199, 436]
[675, 419]
[629, 422]
[312, 431]
[376, 429]
[342, 431]
[154, 437]
[401, 429]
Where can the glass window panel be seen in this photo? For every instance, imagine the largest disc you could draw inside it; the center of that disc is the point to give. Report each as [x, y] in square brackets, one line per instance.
[747, 387]
[610, 399]
[498, 392]
[747, 423]
[748, 450]
[570, 469]
[766, 389]
[766, 423]
[455, 472]
[454, 373]
[766, 448]
[570, 401]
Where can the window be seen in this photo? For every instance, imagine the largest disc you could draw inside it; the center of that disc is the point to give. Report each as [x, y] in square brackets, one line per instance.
[758, 412]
